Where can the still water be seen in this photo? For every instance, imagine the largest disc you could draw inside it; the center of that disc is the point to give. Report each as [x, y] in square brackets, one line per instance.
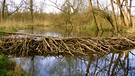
[66, 31]
[113, 64]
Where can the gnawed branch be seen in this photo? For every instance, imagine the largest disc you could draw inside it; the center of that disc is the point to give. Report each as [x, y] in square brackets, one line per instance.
[28, 45]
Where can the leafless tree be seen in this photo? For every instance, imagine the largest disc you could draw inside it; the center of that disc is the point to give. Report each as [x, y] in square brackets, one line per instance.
[3, 8]
[128, 12]
[114, 16]
[8, 12]
[125, 15]
[31, 9]
[120, 5]
[94, 17]
[68, 8]
[98, 4]
[15, 7]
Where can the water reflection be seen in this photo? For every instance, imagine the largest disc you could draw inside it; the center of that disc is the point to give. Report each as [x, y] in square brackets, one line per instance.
[66, 31]
[114, 64]
[41, 32]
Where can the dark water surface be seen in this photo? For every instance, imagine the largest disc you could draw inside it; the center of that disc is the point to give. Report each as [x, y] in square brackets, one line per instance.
[113, 64]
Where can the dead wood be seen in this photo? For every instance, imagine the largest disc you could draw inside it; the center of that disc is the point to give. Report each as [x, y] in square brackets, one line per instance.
[29, 46]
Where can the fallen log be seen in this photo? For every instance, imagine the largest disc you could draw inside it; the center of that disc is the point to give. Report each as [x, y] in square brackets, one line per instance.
[29, 45]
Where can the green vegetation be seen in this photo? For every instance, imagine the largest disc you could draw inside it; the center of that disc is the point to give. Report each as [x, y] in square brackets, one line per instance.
[11, 29]
[8, 29]
[9, 68]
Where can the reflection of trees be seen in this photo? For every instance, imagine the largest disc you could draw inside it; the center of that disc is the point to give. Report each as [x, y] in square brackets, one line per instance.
[114, 64]
[111, 65]
[67, 66]
[67, 31]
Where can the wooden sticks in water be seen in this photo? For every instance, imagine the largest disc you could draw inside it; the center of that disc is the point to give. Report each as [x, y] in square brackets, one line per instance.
[56, 46]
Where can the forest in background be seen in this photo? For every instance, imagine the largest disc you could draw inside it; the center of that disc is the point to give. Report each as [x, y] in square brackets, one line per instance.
[98, 15]
[113, 15]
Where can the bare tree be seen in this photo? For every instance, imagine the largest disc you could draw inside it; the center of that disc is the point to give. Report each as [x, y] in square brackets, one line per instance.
[128, 12]
[3, 9]
[94, 17]
[114, 16]
[15, 7]
[6, 12]
[120, 5]
[98, 4]
[31, 10]
[125, 15]
[68, 8]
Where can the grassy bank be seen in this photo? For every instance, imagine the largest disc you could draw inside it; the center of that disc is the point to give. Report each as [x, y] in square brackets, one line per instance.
[9, 68]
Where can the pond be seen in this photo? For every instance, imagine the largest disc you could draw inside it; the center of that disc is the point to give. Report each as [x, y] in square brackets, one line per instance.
[66, 31]
[113, 64]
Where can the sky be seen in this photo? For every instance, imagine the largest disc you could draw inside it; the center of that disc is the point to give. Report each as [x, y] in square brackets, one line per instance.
[46, 5]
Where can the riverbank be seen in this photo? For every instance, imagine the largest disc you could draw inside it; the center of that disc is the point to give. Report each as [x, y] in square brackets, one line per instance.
[10, 68]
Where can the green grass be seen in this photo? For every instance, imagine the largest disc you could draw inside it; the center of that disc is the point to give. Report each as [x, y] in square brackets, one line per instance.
[9, 68]
[7, 29]
[10, 29]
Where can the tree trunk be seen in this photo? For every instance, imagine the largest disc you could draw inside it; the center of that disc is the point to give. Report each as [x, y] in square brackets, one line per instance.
[128, 13]
[98, 4]
[94, 17]
[31, 10]
[122, 13]
[3, 9]
[114, 16]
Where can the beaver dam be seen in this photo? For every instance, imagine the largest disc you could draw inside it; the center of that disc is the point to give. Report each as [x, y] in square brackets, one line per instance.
[44, 45]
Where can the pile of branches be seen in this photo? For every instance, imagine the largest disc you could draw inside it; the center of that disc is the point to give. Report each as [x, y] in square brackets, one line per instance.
[41, 45]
